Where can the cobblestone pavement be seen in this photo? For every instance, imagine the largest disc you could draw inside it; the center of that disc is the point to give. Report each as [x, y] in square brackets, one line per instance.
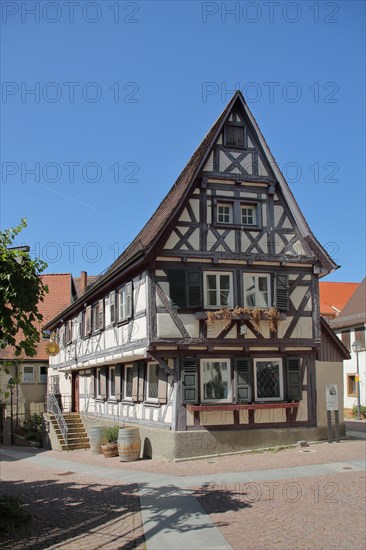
[70, 511]
[282, 509]
[321, 512]
[320, 453]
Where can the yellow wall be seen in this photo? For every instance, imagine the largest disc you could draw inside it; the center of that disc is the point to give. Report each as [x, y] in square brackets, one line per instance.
[328, 373]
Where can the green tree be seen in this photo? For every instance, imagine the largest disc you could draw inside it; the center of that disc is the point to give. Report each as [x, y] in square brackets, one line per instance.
[21, 289]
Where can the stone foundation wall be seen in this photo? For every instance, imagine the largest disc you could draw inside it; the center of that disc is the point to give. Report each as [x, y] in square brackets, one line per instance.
[164, 444]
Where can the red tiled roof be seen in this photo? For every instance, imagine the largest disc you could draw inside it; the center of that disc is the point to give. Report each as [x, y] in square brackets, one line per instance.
[334, 296]
[58, 297]
[77, 282]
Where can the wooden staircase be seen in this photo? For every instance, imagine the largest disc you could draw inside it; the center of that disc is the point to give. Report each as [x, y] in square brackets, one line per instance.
[77, 436]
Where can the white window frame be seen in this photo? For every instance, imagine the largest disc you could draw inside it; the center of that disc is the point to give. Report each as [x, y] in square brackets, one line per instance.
[257, 291]
[149, 367]
[280, 365]
[229, 214]
[42, 377]
[25, 375]
[110, 394]
[230, 303]
[208, 362]
[125, 396]
[251, 207]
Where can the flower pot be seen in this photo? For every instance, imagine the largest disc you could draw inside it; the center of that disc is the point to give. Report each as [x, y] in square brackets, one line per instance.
[110, 449]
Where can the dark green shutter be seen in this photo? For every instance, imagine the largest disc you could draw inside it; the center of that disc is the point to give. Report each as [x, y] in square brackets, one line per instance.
[135, 382]
[243, 380]
[118, 382]
[294, 386]
[194, 289]
[185, 288]
[282, 297]
[189, 380]
[177, 282]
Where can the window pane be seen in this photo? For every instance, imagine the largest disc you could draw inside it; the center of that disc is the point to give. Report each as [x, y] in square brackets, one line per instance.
[153, 381]
[43, 374]
[129, 377]
[28, 375]
[268, 379]
[224, 282]
[211, 282]
[215, 380]
[224, 298]
[112, 383]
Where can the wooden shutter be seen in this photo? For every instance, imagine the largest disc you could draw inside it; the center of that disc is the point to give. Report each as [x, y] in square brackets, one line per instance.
[93, 386]
[118, 382]
[194, 280]
[112, 307]
[135, 381]
[103, 382]
[68, 332]
[346, 339]
[294, 385]
[101, 314]
[177, 285]
[243, 389]
[189, 378]
[129, 297]
[141, 384]
[360, 336]
[88, 320]
[281, 292]
[162, 386]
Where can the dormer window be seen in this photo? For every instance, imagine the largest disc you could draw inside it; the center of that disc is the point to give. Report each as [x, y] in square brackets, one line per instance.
[234, 135]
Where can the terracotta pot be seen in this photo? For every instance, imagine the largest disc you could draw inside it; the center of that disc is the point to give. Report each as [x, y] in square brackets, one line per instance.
[110, 449]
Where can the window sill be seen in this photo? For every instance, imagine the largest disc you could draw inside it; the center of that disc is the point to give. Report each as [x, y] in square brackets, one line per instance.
[254, 227]
[154, 404]
[202, 315]
[127, 402]
[100, 399]
[112, 400]
[122, 322]
[242, 407]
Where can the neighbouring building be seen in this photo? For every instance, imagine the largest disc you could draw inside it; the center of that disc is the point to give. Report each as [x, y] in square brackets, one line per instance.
[29, 393]
[206, 331]
[350, 326]
[333, 297]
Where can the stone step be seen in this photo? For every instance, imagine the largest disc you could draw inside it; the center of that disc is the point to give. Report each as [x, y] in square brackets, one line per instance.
[75, 446]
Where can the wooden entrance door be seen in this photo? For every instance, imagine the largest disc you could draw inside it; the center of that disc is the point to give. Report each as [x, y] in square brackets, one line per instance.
[75, 392]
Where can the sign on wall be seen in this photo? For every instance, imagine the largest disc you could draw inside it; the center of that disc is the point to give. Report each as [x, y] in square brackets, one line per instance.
[331, 397]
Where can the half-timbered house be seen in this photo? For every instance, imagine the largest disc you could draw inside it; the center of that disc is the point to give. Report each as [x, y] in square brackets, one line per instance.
[206, 330]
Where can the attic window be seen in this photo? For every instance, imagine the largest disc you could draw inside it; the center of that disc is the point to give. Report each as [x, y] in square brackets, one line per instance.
[234, 135]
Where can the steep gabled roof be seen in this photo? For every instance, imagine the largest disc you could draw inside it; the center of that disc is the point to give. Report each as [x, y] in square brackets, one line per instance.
[57, 299]
[334, 296]
[354, 312]
[169, 207]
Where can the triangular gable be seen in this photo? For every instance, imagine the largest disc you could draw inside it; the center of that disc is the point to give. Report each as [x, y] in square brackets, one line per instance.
[172, 203]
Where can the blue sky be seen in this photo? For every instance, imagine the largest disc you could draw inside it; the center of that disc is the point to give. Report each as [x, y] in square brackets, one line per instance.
[123, 92]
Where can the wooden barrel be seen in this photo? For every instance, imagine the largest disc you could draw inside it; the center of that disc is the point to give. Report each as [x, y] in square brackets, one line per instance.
[96, 440]
[129, 444]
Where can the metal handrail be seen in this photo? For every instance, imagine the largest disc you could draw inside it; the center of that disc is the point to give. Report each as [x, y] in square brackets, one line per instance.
[54, 408]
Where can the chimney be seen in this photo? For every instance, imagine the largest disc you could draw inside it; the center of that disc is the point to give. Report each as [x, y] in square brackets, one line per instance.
[83, 281]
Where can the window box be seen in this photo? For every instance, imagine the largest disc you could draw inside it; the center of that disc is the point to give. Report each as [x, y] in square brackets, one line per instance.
[240, 407]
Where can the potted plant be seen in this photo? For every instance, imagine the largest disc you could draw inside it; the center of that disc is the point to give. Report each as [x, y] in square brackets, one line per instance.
[110, 449]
